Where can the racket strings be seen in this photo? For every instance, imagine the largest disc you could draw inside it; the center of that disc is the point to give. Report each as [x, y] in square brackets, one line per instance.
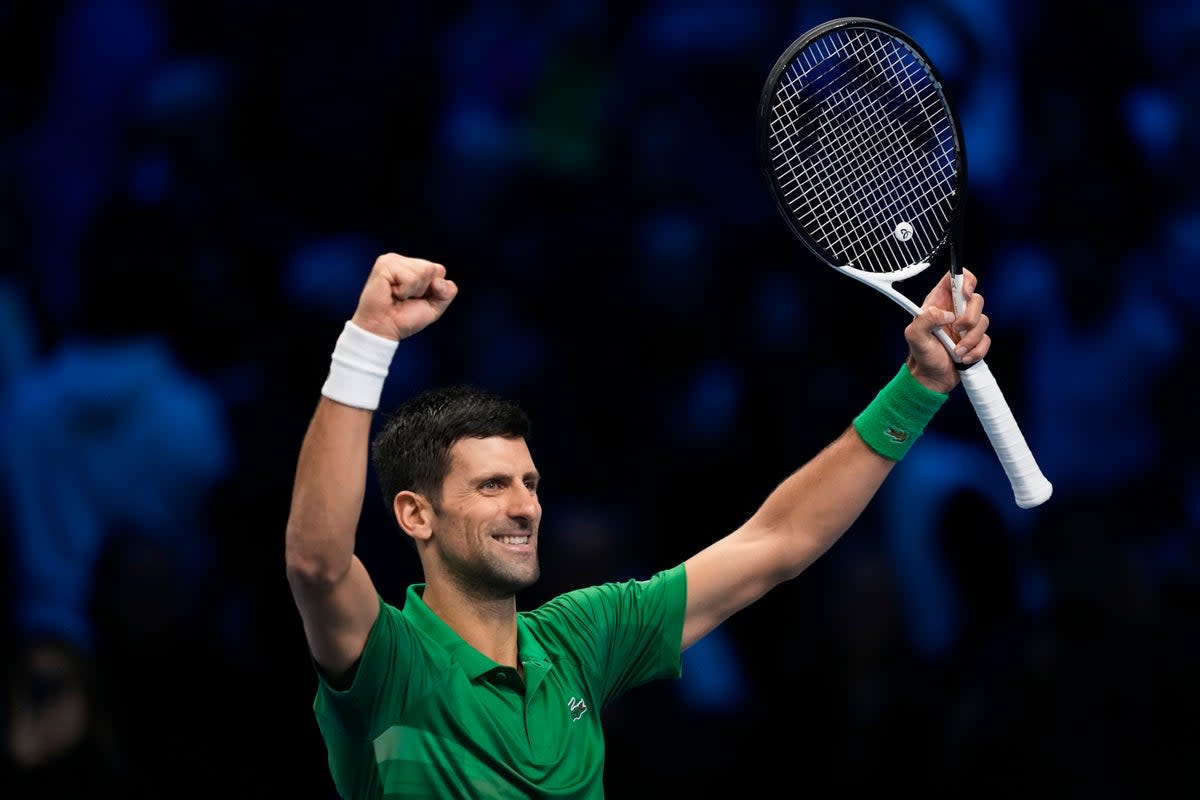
[863, 143]
[873, 157]
[880, 192]
[869, 115]
[876, 151]
[868, 185]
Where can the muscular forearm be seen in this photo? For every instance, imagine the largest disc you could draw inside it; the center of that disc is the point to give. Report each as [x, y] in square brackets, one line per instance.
[815, 505]
[328, 491]
[798, 521]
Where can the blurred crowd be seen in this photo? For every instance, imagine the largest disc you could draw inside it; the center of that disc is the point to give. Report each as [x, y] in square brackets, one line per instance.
[194, 191]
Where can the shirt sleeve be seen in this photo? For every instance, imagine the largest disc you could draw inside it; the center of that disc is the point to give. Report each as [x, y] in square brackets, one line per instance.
[348, 717]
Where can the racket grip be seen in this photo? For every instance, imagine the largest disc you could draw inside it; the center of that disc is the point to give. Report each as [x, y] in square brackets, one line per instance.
[956, 293]
[1030, 487]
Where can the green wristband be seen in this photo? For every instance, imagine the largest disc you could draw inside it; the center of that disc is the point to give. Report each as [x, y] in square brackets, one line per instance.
[898, 415]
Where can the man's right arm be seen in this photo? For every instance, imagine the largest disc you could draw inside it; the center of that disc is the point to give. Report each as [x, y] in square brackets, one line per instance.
[332, 590]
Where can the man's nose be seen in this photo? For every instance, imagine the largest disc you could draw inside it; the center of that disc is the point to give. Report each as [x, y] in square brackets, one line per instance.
[523, 503]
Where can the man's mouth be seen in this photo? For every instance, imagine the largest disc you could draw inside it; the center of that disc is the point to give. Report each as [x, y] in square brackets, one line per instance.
[513, 540]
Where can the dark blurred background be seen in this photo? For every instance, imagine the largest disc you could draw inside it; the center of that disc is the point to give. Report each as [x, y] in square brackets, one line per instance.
[193, 193]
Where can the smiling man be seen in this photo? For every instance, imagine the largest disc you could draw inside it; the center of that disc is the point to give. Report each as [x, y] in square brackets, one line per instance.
[456, 693]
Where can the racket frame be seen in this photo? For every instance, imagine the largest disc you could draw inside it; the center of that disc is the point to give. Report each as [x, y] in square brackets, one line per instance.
[1030, 486]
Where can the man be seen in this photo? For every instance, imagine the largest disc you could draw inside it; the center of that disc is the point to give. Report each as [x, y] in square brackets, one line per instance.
[456, 693]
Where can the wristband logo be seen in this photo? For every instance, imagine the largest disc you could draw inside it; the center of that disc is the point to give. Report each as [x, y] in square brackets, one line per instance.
[895, 434]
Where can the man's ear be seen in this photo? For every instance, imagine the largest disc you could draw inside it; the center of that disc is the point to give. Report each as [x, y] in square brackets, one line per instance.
[414, 513]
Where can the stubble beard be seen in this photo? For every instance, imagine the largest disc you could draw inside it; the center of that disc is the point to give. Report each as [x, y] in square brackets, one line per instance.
[490, 577]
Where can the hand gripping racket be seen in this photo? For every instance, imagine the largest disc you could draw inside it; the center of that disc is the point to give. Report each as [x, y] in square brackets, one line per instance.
[864, 155]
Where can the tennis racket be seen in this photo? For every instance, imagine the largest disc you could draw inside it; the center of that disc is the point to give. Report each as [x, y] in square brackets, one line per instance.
[864, 156]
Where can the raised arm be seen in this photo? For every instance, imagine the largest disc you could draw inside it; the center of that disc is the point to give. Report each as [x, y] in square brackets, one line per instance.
[807, 513]
[331, 588]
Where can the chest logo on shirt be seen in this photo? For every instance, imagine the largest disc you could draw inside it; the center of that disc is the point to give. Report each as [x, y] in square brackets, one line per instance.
[578, 708]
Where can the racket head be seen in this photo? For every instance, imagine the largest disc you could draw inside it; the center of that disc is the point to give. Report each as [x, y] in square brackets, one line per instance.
[862, 149]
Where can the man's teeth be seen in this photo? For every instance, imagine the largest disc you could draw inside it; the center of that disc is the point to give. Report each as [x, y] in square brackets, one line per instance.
[514, 539]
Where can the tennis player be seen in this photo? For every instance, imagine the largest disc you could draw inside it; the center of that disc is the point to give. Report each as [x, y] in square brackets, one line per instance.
[450, 691]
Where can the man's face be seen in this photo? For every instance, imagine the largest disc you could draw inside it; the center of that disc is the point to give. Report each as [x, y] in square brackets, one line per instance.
[486, 527]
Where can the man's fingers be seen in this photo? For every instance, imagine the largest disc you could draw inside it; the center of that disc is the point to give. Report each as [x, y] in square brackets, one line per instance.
[934, 317]
[969, 283]
[443, 290]
[408, 277]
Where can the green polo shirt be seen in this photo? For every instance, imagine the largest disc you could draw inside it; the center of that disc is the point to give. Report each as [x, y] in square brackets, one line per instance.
[427, 715]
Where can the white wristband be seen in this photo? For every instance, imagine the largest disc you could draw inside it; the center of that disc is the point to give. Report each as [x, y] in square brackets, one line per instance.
[359, 367]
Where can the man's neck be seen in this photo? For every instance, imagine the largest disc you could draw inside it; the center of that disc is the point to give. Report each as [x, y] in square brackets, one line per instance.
[488, 625]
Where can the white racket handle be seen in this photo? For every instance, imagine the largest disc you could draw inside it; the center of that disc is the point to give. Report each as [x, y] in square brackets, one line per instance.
[1030, 487]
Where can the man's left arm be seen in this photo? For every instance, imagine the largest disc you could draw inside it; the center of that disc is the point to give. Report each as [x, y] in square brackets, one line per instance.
[809, 511]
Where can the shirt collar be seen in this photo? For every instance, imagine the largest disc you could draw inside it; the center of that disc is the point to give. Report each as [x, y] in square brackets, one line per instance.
[474, 663]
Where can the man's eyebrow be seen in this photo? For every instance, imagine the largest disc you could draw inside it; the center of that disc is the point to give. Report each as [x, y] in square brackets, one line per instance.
[506, 477]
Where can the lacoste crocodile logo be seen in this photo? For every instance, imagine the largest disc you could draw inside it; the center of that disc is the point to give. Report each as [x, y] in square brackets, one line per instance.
[895, 434]
[578, 708]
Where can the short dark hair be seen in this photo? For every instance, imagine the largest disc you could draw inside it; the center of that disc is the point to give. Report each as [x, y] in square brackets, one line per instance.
[411, 452]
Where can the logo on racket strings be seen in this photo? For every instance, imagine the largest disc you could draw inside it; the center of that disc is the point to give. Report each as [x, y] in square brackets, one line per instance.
[903, 231]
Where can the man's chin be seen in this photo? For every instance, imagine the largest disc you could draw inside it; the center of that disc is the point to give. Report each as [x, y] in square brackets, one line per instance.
[524, 582]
